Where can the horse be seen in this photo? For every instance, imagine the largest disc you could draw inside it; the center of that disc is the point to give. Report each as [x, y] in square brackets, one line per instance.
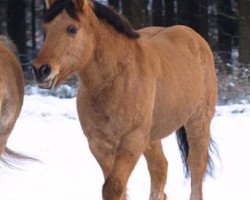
[11, 96]
[135, 88]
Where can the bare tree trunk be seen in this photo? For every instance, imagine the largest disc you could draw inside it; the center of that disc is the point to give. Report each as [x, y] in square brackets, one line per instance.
[157, 9]
[225, 26]
[203, 18]
[134, 10]
[182, 12]
[193, 13]
[244, 31]
[3, 16]
[169, 13]
[33, 22]
[198, 16]
[16, 27]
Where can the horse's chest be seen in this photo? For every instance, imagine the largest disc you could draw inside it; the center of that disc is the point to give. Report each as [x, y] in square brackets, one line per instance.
[99, 118]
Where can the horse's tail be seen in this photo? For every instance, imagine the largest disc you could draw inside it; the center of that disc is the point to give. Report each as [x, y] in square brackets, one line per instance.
[184, 148]
[13, 159]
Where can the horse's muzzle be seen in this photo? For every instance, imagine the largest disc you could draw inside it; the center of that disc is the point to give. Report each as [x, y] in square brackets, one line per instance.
[42, 73]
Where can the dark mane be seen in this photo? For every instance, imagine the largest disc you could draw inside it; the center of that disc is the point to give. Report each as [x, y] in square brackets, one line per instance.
[104, 13]
[120, 23]
[57, 8]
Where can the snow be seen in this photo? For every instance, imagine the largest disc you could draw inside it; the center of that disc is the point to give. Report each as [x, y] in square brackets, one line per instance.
[49, 130]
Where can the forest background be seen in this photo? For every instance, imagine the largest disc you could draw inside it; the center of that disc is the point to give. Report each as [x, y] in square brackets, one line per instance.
[225, 24]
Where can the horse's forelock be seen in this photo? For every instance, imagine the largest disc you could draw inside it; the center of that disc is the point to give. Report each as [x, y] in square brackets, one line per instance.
[57, 8]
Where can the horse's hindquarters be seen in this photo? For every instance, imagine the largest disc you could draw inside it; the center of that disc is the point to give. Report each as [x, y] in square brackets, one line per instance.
[11, 90]
[187, 79]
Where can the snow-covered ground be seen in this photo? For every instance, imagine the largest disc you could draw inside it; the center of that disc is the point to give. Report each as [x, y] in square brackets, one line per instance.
[48, 129]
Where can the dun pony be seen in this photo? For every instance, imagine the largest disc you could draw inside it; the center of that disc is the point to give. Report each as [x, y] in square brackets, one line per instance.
[135, 88]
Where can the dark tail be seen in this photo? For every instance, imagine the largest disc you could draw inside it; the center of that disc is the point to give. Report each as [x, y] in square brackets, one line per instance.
[13, 159]
[184, 148]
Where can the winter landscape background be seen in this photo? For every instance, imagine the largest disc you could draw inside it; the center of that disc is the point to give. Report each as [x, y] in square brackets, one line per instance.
[49, 130]
[48, 127]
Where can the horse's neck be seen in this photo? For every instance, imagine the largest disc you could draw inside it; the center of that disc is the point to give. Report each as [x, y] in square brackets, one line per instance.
[111, 57]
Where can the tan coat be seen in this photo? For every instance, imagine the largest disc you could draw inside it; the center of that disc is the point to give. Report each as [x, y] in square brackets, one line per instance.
[132, 91]
[11, 89]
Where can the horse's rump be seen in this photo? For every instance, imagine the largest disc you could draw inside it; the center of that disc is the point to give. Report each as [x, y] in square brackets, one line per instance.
[11, 97]
[186, 78]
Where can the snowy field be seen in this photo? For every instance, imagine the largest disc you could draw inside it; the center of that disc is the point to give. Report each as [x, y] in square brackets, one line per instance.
[48, 129]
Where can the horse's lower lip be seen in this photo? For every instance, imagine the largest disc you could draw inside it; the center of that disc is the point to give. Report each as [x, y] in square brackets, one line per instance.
[49, 84]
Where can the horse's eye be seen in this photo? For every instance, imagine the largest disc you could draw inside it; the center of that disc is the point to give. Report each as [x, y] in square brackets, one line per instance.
[72, 30]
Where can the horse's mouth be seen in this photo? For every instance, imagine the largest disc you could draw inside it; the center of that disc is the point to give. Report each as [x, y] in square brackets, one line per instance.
[49, 84]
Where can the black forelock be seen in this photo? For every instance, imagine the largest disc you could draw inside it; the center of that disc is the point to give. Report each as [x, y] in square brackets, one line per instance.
[57, 7]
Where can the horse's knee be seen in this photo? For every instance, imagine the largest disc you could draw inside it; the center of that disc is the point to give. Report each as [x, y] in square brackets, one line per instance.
[113, 189]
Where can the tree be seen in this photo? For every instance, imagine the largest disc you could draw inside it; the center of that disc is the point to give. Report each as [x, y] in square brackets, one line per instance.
[182, 12]
[225, 29]
[193, 13]
[135, 11]
[244, 31]
[157, 9]
[169, 15]
[16, 24]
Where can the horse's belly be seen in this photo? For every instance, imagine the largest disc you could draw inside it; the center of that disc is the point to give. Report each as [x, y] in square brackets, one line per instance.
[173, 107]
[165, 122]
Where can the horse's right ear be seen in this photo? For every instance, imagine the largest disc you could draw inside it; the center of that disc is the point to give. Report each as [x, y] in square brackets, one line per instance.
[49, 3]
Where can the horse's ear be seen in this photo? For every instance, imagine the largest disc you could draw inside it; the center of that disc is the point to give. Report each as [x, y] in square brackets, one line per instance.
[49, 3]
[81, 4]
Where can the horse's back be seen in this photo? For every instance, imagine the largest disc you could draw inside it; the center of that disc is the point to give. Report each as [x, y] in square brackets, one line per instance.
[186, 78]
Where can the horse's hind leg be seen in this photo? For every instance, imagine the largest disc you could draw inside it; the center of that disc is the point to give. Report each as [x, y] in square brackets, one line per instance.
[198, 136]
[157, 166]
[9, 113]
[6, 126]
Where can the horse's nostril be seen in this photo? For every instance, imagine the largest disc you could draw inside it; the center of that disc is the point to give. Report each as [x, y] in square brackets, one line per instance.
[44, 71]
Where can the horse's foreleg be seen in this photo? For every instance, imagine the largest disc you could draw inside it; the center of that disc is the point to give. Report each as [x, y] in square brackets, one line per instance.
[128, 152]
[104, 152]
[198, 136]
[157, 166]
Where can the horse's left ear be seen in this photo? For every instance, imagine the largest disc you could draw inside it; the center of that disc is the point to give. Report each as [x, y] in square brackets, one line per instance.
[80, 4]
